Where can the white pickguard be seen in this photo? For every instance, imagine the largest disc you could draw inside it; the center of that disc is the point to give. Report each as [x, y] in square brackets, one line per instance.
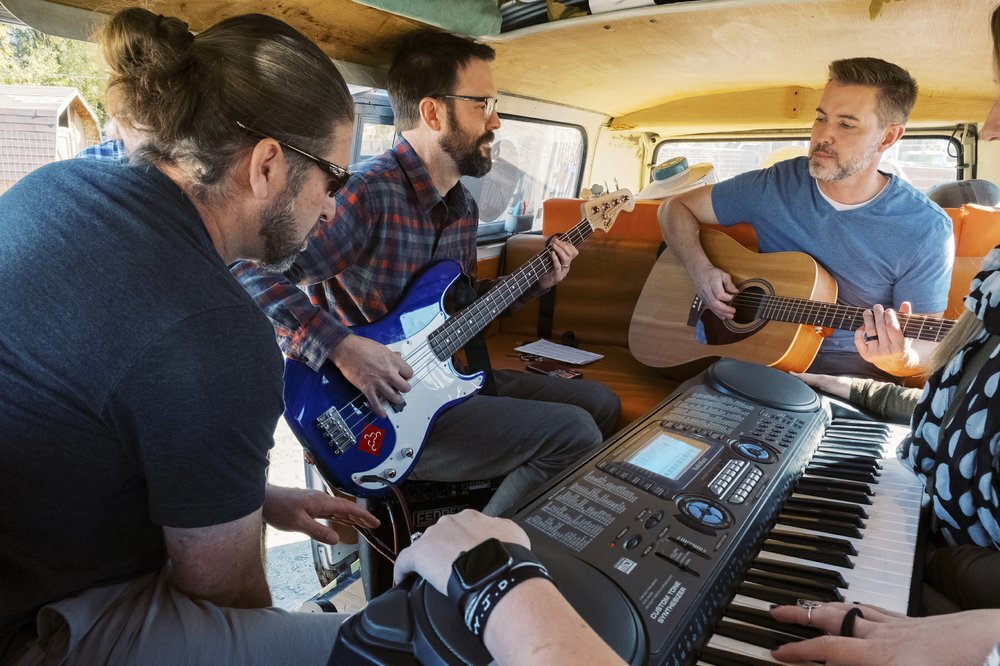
[438, 385]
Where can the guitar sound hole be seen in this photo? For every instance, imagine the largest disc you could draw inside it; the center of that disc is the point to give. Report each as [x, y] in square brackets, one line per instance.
[747, 303]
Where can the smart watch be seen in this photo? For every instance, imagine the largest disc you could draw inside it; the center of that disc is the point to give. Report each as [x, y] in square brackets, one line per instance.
[482, 575]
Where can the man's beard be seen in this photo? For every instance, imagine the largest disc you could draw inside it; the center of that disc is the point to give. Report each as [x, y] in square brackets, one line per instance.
[282, 243]
[839, 170]
[466, 152]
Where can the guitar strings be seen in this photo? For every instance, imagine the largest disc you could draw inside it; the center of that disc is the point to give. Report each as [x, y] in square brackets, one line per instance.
[423, 358]
[776, 307]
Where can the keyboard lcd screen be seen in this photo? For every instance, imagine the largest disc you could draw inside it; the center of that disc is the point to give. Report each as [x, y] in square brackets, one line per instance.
[667, 456]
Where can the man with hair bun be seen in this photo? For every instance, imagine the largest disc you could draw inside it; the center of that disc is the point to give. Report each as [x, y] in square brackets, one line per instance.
[140, 385]
[882, 240]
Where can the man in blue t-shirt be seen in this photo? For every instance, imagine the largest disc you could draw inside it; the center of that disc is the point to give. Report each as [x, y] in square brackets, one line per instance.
[889, 248]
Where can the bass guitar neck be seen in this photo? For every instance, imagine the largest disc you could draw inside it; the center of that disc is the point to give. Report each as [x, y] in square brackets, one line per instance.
[355, 449]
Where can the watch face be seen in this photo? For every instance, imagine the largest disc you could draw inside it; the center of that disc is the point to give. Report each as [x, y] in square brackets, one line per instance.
[483, 563]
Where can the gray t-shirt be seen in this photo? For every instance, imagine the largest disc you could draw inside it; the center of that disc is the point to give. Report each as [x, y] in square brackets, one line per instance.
[139, 384]
[898, 247]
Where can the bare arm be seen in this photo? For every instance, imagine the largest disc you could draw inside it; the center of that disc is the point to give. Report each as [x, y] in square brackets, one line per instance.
[222, 564]
[679, 218]
[533, 623]
[834, 385]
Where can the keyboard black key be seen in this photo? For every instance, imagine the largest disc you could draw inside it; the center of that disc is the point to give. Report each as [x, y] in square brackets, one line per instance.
[763, 618]
[831, 492]
[768, 593]
[866, 463]
[818, 540]
[843, 484]
[801, 587]
[823, 505]
[833, 577]
[837, 472]
[754, 635]
[860, 454]
[820, 525]
[809, 552]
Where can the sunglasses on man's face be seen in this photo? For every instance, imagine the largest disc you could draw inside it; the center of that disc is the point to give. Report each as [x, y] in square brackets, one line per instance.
[336, 176]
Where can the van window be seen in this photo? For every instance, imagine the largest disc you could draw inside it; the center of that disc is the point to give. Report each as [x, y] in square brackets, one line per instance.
[923, 161]
[374, 132]
[532, 161]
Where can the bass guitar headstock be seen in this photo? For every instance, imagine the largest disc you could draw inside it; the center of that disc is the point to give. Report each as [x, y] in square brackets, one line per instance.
[602, 211]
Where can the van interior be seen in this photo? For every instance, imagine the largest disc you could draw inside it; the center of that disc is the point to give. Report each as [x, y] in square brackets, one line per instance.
[595, 102]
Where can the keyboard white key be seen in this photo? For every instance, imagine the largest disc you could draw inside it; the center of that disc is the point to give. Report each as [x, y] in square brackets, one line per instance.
[883, 567]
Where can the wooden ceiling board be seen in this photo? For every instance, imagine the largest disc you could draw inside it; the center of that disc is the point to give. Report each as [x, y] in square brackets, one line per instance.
[345, 30]
[619, 64]
[683, 64]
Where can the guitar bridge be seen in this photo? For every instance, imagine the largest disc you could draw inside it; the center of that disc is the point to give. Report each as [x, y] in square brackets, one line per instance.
[334, 429]
[694, 313]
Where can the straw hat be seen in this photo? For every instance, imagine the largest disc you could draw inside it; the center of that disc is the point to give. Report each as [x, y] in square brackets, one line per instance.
[675, 176]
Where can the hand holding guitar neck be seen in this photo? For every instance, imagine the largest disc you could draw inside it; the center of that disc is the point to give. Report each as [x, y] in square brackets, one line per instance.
[786, 304]
[562, 254]
[881, 341]
[378, 372]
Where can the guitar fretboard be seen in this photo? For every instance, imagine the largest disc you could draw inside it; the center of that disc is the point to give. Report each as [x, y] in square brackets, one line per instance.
[834, 315]
[459, 329]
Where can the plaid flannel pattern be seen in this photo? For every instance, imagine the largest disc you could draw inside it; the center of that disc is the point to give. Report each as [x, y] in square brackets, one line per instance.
[111, 149]
[390, 223]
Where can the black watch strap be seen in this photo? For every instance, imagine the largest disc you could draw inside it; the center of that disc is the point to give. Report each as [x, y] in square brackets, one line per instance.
[481, 606]
[459, 594]
[464, 593]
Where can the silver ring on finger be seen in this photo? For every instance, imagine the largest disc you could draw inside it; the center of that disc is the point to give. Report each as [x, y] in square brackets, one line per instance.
[810, 605]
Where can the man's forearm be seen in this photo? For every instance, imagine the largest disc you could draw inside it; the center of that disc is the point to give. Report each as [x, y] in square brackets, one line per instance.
[913, 363]
[534, 624]
[680, 230]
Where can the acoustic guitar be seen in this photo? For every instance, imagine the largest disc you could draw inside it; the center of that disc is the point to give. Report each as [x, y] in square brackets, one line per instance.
[785, 307]
[360, 452]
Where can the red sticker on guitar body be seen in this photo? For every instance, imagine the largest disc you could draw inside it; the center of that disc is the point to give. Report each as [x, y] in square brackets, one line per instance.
[371, 439]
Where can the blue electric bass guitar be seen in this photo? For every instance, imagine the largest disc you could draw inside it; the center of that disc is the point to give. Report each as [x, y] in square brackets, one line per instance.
[358, 452]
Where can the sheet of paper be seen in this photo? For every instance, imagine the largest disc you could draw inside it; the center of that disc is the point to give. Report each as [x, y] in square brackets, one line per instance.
[559, 352]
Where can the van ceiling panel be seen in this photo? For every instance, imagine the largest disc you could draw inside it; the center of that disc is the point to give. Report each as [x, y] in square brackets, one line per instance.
[641, 59]
[667, 66]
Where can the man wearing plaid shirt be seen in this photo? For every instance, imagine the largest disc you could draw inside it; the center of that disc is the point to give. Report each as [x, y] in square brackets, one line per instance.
[400, 212]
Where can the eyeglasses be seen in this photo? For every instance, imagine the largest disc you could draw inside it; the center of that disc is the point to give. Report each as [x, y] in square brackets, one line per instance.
[490, 103]
[336, 176]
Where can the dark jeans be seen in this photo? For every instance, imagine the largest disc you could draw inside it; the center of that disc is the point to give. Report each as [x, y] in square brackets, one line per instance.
[531, 430]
